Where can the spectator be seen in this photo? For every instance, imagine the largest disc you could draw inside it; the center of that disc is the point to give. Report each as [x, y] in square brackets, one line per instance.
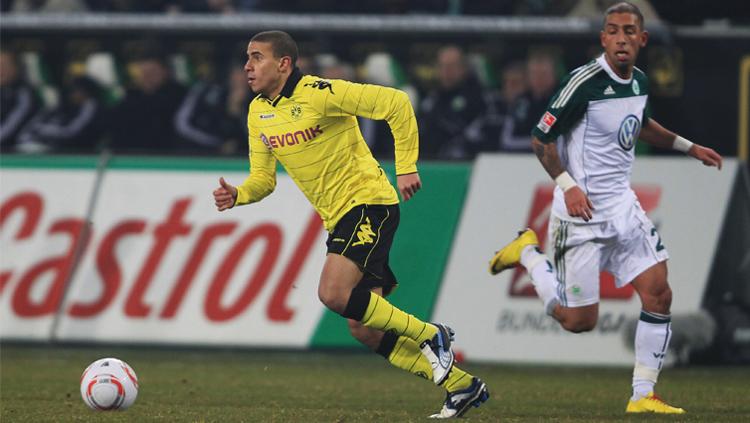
[338, 70]
[145, 120]
[307, 65]
[19, 101]
[486, 135]
[213, 115]
[75, 126]
[450, 108]
[525, 111]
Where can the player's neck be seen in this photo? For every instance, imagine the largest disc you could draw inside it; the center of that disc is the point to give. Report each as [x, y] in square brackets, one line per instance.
[276, 90]
[624, 72]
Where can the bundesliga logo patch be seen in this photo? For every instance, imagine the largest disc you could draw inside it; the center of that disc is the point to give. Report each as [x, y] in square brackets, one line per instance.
[546, 122]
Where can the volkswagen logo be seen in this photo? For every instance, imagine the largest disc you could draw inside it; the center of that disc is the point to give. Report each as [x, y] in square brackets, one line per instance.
[629, 130]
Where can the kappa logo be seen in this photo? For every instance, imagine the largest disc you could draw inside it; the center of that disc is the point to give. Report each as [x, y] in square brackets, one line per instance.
[609, 90]
[267, 116]
[628, 133]
[539, 212]
[546, 122]
[365, 233]
[321, 84]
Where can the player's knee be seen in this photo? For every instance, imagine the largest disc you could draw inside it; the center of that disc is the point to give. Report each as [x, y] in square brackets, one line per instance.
[661, 301]
[331, 297]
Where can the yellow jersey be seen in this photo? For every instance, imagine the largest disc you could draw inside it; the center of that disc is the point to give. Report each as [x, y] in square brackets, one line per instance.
[311, 129]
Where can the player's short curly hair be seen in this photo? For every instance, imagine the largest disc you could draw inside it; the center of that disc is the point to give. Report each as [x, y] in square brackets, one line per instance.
[282, 44]
[625, 7]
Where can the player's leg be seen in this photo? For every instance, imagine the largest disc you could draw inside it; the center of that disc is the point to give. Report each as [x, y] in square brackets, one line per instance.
[360, 243]
[640, 258]
[653, 331]
[462, 389]
[652, 337]
[524, 250]
[569, 289]
[402, 352]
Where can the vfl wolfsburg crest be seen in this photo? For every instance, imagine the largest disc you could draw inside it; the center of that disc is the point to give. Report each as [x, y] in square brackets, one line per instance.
[629, 130]
[636, 87]
[296, 111]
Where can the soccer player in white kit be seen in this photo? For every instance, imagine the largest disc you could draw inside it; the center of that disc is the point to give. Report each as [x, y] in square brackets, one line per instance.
[585, 142]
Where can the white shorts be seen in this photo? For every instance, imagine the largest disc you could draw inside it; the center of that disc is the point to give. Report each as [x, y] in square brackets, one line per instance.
[624, 246]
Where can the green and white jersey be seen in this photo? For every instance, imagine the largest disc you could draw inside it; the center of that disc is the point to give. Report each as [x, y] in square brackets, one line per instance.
[596, 117]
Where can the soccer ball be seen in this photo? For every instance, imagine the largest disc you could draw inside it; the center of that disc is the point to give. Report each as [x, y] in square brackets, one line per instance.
[109, 384]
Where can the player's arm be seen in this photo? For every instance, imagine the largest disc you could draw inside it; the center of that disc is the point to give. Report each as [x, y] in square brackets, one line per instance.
[577, 203]
[259, 184]
[561, 115]
[659, 136]
[346, 98]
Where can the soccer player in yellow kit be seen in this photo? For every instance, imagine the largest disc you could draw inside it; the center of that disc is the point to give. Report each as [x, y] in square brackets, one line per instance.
[309, 124]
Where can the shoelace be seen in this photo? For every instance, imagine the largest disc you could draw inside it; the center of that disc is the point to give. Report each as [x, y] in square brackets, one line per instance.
[658, 399]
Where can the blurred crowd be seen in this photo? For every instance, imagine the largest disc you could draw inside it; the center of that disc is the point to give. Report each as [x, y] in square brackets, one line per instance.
[152, 102]
[152, 113]
[464, 105]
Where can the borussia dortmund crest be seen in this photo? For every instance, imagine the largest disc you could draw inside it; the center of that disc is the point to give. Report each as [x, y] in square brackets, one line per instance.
[296, 111]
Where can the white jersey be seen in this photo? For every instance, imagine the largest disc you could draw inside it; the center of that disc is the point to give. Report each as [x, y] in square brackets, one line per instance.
[596, 117]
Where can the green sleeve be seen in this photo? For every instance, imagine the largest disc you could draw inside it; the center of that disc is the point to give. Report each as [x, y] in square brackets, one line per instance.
[564, 110]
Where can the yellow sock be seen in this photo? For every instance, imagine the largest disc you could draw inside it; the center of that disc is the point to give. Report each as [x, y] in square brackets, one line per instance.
[406, 355]
[382, 315]
[457, 380]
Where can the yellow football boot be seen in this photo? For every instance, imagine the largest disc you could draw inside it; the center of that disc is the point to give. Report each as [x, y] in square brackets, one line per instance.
[510, 255]
[652, 404]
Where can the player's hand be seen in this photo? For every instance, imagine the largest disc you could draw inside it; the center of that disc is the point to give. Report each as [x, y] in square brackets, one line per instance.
[225, 195]
[578, 204]
[706, 155]
[408, 185]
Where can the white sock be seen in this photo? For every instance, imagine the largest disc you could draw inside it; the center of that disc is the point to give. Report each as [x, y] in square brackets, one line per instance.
[652, 337]
[542, 276]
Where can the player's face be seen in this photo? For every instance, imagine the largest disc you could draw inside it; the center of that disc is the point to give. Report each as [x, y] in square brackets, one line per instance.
[622, 39]
[263, 70]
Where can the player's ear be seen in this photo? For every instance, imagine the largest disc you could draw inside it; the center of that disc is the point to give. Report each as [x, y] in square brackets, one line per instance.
[285, 63]
[644, 38]
[601, 39]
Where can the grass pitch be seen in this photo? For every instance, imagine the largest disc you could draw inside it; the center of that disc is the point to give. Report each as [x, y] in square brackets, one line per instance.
[40, 384]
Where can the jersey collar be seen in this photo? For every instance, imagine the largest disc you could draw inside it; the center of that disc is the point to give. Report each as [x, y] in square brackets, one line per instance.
[605, 65]
[289, 86]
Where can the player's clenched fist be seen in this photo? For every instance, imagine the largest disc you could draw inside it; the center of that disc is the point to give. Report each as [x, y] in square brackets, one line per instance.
[225, 195]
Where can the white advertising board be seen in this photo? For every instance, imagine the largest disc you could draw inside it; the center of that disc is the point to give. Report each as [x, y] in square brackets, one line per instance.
[41, 215]
[499, 318]
[162, 265]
